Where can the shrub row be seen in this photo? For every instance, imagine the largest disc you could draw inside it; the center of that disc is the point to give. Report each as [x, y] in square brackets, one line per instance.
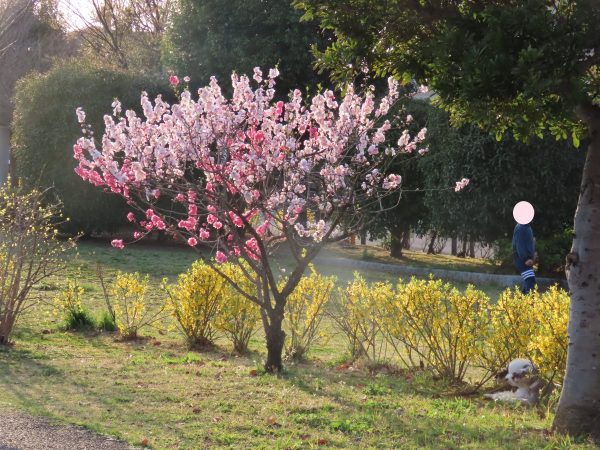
[430, 323]
[423, 323]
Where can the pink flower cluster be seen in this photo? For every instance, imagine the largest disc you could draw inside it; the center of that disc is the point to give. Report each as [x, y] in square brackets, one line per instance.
[246, 171]
[460, 185]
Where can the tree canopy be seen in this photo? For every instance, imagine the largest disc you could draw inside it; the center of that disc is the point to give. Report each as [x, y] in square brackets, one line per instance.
[507, 65]
[208, 39]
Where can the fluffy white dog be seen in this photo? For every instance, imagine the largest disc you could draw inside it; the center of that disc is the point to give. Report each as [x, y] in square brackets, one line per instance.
[522, 374]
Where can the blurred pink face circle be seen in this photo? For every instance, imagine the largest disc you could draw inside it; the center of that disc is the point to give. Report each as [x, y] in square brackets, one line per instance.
[523, 212]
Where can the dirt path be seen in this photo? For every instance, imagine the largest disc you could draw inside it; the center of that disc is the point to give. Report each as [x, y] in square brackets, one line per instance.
[22, 432]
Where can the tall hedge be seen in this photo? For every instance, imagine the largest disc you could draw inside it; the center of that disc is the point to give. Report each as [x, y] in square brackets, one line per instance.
[45, 128]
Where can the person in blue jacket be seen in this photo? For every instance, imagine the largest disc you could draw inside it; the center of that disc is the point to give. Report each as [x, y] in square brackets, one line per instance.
[523, 248]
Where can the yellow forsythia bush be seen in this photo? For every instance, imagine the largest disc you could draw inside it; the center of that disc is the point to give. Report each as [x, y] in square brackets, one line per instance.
[304, 311]
[433, 324]
[238, 317]
[358, 313]
[68, 304]
[549, 343]
[532, 326]
[439, 324]
[195, 302]
[512, 322]
[128, 301]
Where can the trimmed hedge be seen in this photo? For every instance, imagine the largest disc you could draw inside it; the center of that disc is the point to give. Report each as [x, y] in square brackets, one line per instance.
[45, 128]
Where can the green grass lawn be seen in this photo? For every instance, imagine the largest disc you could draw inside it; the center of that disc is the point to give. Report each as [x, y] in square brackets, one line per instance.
[156, 389]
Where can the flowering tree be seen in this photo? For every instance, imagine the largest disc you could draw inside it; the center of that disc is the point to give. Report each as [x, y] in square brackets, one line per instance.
[246, 175]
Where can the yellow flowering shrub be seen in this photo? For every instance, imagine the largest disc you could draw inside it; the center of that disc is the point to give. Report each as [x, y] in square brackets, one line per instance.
[30, 249]
[195, 302]
[358, 312]
[512, 323]
[68, 304]
[239, 316]
[548, 345]
[304, 311]
[532, 326]
[128, 292]
[439, 324]
[431, 323]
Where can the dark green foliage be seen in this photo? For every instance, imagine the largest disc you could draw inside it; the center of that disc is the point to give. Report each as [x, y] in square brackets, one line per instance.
[79, 320]
[405, 210]
[552, 251]
[106, 322]
[519, 65]
[547, 173]
[209, 38]
[45, 128]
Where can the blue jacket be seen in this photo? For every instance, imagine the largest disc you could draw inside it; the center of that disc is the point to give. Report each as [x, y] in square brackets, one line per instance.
[523, 248]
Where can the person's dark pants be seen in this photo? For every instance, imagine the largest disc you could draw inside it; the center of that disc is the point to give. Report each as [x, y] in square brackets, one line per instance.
[527, 285]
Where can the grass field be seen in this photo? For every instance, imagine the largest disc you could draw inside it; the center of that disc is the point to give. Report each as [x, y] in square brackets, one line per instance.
[156, 389]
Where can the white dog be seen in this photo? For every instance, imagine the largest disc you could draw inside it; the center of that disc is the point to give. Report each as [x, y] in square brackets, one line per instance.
[522, 374]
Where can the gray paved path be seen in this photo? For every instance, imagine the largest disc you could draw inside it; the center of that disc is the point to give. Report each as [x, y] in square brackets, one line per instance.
[19, 431]
[450, 275]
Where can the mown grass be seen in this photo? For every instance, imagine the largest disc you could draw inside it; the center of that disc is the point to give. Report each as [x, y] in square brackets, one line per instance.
[156, 389]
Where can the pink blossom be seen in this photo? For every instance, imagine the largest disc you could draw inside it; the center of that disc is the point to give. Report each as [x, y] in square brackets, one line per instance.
[391, 181]
[270, 171]
[137, 235]
[192, 242]
[117, 243]
[186, 79]
[130, 217]
[220, 257]
[80, 115]
[460, 185]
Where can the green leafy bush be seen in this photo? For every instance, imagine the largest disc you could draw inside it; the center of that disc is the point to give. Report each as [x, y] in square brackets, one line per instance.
[68, 303]
[45, 128]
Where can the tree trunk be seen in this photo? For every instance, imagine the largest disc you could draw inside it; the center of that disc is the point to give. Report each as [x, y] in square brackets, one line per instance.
[363, 238]
[431, 249]
[579, 406]
[275, 337]
[454, 249]
[406, 239]
[463, 252]
[396, 242]
[472, 247]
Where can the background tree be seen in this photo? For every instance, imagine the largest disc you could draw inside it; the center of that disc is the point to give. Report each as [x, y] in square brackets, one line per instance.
[123, 34]
[207, 39]
[405, 210]
[30, 37]
[524, 66]
[546, 173]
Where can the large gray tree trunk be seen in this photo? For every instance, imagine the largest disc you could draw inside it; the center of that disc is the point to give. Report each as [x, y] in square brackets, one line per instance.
[579, 406]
